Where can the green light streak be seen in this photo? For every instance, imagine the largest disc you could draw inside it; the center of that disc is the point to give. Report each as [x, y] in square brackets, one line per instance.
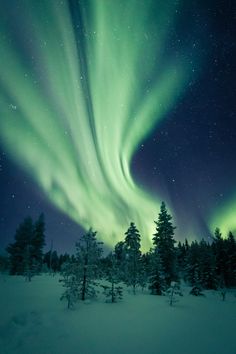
[74, 109]
[224, 218]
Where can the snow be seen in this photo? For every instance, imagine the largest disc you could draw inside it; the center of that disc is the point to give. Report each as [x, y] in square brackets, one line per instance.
[34, 320]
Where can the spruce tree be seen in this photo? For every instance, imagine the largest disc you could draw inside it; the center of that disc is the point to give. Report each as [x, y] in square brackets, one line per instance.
[120, 255]
[231, 261]
[156, 278]
[53, 261]
[81, 271]
[192, 271]
[113, 291]
[70, 283]
[88, 253]
[20, 251]
[207, 267]
[181, 258]
[4, 264]
[143, 271]
[220, 252]
[63, 258]
[133, 254]
[163, 241]
[38, 242]
[26, 253]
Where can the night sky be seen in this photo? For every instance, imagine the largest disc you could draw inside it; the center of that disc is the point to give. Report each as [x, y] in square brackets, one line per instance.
[107, 109]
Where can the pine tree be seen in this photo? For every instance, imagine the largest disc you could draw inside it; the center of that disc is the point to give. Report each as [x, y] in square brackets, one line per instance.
[181, 258]
[29, 264]
[120, 255]
[156, 278]
[113, 291]
[80, 272]
[26, 252]
[231, 261]
[87, 257]
[133, 254]
[55, 267]
[63, 258]
[201, 266]
[38, 242]
[70, 283]
[143, 271]
[164, 242]
[196, 291]
[20, 250]
[207, 267]
[221, 259]
[54, 262]
[4, 264]
[192, 270]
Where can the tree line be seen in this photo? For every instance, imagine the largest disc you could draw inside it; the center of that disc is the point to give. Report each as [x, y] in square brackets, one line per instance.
[25, 254]
[201, 264]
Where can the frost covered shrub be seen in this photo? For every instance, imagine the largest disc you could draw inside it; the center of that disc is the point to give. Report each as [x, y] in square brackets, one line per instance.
[196, 291]
[174, 291]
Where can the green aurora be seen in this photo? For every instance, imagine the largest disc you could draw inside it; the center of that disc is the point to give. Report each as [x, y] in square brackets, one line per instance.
[224, 217]
[79, 94]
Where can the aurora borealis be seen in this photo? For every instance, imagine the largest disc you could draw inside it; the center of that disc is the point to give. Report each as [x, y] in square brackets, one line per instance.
[83, 85]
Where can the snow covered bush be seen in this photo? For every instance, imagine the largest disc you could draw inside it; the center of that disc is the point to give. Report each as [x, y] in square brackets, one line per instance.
[174, 291]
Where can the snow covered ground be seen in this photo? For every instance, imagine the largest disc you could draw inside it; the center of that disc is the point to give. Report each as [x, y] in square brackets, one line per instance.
[34, 321]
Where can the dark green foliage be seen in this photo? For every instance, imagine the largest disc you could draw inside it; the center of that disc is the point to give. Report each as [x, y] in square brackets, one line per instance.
[120, 255]
[224, 251]
[219, 250]
[88, 253]
[19, 249]
[207, 266]
[156, 278]
[196, 291]
[200, 267]
[38, 242]
[4, 264]
[181, 258]
[54, 262]
[113, 292]
[80, 272]
[230, 274]
[70, 283]
[133, 256]
[26, 252]
[144, 271]
[163, 241]
[63, 258]
[192, 270]
[231, 261]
